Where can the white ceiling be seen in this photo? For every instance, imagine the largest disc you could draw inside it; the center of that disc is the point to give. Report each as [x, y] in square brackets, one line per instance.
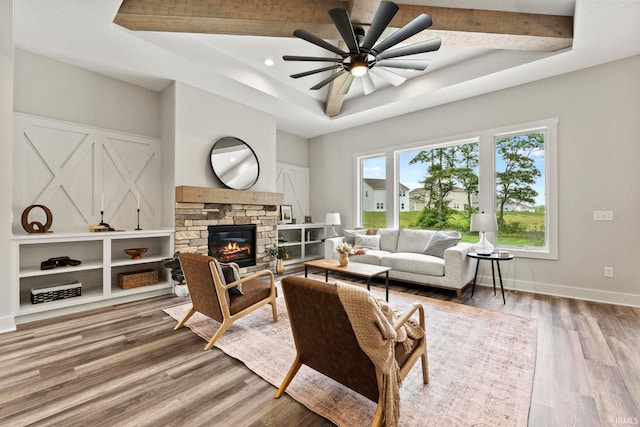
[82, 33]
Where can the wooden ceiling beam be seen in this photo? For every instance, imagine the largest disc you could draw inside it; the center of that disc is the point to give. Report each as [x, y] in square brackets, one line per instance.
[276, 18]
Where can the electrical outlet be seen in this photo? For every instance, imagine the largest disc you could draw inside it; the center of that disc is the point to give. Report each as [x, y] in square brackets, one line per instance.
[608, 272]
[603, 215]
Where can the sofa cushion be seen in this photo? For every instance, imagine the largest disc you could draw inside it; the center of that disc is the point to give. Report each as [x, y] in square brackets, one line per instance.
[350, 235]
[388, 239]
[413, 240]
[414, 263]
[372, 242]
[371, 256]
[440, 242]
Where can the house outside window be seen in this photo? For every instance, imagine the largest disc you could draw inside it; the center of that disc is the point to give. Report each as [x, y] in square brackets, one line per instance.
[372, 188]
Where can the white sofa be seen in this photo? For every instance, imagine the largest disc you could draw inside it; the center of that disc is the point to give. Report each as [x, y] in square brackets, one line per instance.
[403, 251]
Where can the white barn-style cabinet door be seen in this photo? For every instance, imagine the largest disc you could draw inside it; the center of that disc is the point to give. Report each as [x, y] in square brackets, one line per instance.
[76, 170]
[293, 182]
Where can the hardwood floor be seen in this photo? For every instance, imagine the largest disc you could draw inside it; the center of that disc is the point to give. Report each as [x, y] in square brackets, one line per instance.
[124, 365]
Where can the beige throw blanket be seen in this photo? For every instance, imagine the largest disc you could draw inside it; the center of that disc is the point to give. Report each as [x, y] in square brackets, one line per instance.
[377, 338]
[409, 331]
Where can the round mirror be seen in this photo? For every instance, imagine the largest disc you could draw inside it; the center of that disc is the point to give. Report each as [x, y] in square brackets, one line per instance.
[234, 163]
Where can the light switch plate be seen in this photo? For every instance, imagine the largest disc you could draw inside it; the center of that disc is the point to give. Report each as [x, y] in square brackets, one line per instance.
[603, 215]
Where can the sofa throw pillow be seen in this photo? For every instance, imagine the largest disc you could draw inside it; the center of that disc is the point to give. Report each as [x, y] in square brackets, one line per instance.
[350, 235]
[371, 242]
[440, 242]
[228, 274]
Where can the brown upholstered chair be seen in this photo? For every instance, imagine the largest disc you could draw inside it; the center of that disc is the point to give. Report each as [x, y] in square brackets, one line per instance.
[209, 284]
[326, 342]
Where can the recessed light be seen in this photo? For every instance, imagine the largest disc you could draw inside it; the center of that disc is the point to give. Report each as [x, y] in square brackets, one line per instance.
[268, 62]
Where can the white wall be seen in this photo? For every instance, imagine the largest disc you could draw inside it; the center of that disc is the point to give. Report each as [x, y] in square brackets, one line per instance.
[599, 153]
[201, 119]
[6, 166]
[49, 88]
[168, 131]
[292, 149]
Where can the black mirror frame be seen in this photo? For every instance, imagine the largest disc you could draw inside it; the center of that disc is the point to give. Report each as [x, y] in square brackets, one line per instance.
[252, 152]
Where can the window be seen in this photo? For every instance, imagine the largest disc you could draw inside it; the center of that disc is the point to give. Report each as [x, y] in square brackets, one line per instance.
[520, 189]
[373, 183]
[511, 171]
[441, 179]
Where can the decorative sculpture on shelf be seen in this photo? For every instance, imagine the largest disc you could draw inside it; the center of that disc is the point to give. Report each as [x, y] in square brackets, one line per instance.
[37, 226]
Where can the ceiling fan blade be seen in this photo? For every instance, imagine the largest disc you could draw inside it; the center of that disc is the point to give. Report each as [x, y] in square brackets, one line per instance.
[367, 84]
[316, 71]
[310, 58]
[344, 89]
[311, 38]
[422, 22]
[341, 20]
[412, 49]
[385, 13]
[406, 64]
[389, 76]
[328, 80]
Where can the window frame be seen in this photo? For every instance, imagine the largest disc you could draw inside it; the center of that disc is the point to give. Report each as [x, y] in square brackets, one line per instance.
[486, 178]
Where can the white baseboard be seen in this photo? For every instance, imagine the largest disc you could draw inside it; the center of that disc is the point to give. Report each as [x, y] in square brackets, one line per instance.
[594, 295]
[7, 324]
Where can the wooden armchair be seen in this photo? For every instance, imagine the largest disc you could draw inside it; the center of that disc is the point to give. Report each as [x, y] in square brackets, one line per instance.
[325, 341]
[209, 284]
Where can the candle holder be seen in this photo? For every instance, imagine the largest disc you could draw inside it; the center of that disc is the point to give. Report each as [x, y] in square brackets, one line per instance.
[103, 226]
[138, 227]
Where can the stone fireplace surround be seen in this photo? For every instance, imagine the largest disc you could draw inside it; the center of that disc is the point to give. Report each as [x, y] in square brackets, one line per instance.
[199, 207]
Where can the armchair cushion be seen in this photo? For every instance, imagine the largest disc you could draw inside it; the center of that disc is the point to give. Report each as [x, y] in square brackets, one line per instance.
[254, 290]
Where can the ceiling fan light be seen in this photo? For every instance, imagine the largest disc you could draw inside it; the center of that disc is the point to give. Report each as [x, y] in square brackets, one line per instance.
[359, 69]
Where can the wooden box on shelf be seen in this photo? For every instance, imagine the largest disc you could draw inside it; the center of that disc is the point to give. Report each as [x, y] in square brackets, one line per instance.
[135, 279]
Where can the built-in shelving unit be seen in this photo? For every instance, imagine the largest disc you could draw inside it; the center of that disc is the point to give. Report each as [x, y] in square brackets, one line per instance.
[102, 258]
[305, 241]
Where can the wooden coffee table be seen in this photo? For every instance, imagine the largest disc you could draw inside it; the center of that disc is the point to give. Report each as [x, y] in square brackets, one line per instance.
[352, 268]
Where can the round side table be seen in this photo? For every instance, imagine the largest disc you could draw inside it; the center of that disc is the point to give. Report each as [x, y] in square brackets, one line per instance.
[493, 257]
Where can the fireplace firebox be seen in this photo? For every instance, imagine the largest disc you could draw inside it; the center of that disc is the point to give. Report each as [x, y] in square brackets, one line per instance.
[233, 243]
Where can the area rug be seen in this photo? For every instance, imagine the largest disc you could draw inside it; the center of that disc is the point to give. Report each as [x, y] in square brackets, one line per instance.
[481, 365]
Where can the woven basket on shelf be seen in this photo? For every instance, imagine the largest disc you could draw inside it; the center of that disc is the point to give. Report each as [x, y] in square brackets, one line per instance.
[135, 279]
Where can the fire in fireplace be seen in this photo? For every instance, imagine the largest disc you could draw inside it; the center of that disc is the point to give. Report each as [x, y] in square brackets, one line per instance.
[233, 243]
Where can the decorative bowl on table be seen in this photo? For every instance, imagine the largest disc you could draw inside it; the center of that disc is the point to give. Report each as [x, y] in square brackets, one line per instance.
[135, 253]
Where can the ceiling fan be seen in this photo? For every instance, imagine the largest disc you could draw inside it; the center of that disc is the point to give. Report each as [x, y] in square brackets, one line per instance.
[364, 55]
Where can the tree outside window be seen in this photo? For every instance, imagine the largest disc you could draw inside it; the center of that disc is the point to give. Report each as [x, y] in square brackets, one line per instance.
[520, 204]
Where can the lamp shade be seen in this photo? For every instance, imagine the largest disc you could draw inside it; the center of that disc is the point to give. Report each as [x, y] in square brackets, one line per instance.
[484, 222]
[332, 218]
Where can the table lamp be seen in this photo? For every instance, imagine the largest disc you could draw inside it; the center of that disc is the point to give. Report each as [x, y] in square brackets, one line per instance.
[483, 222]
[332, 219]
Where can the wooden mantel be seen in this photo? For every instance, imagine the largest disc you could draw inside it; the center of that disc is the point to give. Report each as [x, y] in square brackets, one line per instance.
[186, 194]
